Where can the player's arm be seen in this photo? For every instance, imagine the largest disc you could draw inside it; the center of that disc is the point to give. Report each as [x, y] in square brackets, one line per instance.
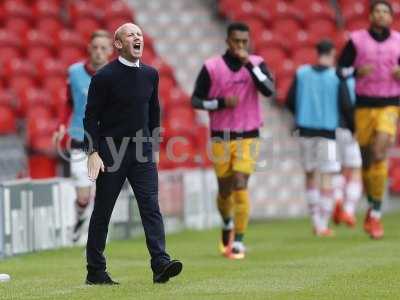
[64, 116]
[346, 60]
[95, 101]
[291, 97]
[346, 105]
[262, 78]
[154, 115]
[200, 95]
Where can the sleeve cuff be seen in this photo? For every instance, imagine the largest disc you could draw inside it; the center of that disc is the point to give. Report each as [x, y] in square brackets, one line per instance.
[221, 103]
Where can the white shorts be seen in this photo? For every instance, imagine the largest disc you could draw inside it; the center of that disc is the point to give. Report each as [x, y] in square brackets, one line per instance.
[79, 172]
[319, 154]
[348, 149]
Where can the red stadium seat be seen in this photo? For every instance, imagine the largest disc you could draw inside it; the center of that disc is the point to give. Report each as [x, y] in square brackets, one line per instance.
[357, 23]
[287, 27]
[315, 9]
[8, 53]
[305, 55]
[115, 22]
[9, 39]
[180, 151]
[32, 97]
[70, 55]
[19, 83]
[50, 26]
[42, 166]
[323, 28]
[118, 9]
[84, 9]
[283, 86]
[52, 67]
[269, 39]
[18, 67]
[283, 10]
[8, 98]
[285, 70]
[179, 119]
[8, 123]
[354, 9]
[17, 9]
[54, 84]
[273, 56]
[301, 39]
[17, 25]
[85, 26]
[71, 38]
[166, 85]
[37, 54]
[46, 8]
[38, 38]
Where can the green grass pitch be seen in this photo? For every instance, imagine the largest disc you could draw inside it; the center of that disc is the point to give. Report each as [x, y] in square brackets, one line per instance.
[284, 262]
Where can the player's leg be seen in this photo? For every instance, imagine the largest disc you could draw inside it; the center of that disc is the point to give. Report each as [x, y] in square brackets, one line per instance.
[328, 166]
[351, 170]
[338, 180]
[108, 187]
[308, 153]
[221, 158]
[84, 190]
[383, 137]
[245, 154]
[143, 178]
[225, 205]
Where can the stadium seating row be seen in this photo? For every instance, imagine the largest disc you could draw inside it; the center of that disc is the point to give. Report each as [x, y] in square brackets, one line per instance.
[39, 39]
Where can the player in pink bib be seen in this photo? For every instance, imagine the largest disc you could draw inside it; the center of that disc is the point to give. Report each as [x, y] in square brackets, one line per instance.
[227, 87]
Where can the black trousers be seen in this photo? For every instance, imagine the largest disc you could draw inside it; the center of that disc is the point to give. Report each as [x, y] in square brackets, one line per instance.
[143, 178]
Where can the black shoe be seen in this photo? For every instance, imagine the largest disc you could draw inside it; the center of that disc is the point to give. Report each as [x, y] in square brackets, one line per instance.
[171, 269]
[100, 278]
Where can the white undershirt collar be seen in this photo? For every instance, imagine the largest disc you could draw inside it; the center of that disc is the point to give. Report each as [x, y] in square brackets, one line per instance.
[128, 63]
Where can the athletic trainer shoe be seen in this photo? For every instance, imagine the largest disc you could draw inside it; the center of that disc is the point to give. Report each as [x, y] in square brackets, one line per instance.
[367, 223]
[324, 232]
[337, 211]
[375, 228]
[101, 278]
[170, 269]
[225, 244]
[348, 219]
[238, 251]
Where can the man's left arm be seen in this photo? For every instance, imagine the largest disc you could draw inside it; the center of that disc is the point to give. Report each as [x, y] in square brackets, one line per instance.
[154, 116]
[346, 106]
[262, 78]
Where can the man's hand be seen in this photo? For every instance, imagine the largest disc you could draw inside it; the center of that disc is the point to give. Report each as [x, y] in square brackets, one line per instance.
[396, 72]
[95, 164]
[364, 71]
[231, 101]
[243, 55]
[58, 135]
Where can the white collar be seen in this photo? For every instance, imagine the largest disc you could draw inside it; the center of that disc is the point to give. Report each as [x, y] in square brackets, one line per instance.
[128, 63]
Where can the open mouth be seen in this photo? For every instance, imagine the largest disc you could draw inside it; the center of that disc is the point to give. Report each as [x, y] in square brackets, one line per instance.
[136, 46]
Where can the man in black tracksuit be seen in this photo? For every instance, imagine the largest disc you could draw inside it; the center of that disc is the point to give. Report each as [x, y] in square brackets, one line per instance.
[121, 120]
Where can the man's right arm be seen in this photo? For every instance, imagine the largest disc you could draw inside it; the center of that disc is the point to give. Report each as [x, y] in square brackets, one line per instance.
[291, 97]
[346, 60]
[200, 94]
[95, 102]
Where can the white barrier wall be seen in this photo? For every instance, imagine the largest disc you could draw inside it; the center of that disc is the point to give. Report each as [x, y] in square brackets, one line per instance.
[39, 214]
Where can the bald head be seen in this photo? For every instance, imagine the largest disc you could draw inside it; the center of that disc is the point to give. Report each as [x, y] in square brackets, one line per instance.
[128, 39]
[121, 30]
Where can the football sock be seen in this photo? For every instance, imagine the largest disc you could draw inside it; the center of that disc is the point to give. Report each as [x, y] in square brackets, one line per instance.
[353, 193]
[242, 210]
[225, 207]
[313, 197]
[326, 207]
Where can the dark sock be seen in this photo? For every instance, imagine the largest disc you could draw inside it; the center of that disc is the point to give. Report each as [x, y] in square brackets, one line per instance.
[370, 200]
[376, 205]
[239, 237]
[226, 233]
